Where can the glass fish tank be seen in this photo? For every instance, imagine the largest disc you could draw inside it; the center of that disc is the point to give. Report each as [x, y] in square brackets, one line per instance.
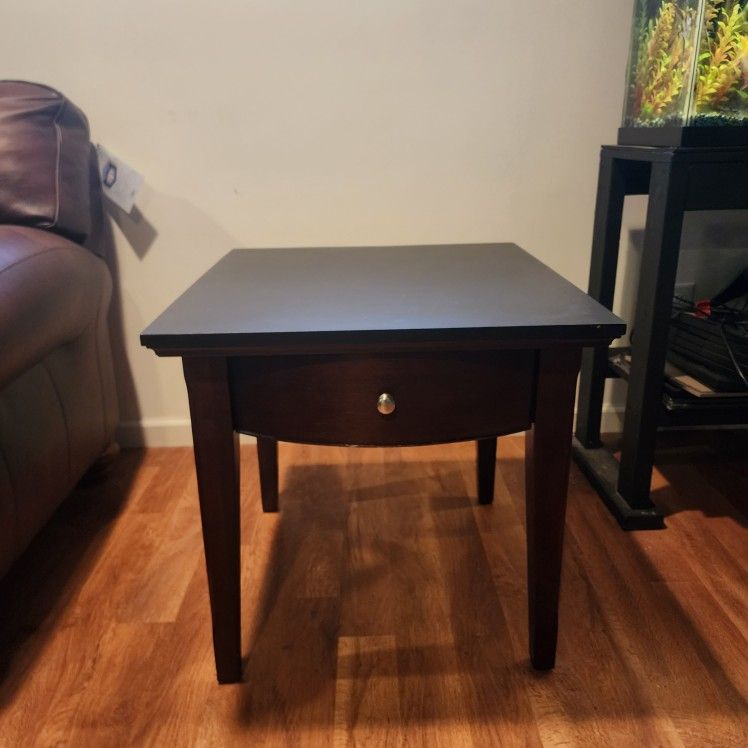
[687, 81]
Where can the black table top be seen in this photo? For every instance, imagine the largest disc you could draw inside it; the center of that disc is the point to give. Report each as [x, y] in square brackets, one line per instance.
[262, 300]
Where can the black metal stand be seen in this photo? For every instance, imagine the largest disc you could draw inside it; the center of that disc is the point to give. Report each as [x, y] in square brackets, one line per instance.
[677, 180]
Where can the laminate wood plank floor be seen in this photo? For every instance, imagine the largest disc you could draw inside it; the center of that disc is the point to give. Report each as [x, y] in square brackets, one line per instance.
[381, 606]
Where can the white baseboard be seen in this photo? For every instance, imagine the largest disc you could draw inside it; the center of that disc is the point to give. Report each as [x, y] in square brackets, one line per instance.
[160, 432]
[176, 432]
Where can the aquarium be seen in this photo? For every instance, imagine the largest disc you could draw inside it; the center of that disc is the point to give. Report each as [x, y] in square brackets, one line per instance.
[687, 81]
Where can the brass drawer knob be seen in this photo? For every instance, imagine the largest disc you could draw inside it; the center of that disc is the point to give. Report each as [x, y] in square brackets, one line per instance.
[386, 404]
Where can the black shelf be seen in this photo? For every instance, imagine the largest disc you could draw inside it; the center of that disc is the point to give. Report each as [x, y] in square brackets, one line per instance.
[677, 180]
[686, 136]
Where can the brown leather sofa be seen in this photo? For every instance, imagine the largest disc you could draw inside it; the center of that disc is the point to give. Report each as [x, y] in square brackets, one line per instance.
[58, 406]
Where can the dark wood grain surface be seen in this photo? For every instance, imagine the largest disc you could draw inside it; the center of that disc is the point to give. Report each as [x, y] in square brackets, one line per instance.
[262, 300]
[439, 397]
[548, 450]
[216, 447]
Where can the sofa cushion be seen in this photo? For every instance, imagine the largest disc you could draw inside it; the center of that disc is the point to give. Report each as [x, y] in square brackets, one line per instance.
[44, 158]
[50, 292]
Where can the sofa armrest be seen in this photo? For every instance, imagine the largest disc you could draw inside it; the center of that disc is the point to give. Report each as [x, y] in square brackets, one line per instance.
[51, 290]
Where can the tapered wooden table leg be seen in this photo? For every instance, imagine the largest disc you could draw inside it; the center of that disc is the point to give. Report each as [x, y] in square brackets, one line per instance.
[267, 455]
[548, 450]
[486, 469]
[217, 462]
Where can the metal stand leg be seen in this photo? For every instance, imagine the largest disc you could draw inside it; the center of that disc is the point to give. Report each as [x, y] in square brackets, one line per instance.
[611, 190]
[667, 201]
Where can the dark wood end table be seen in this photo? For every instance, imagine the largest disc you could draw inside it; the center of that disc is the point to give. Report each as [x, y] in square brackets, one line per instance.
[376, 346]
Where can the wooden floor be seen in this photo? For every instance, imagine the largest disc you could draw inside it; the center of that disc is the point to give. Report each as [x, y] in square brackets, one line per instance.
[381, 607]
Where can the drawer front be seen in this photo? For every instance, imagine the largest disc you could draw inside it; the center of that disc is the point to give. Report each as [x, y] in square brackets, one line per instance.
[380, 400]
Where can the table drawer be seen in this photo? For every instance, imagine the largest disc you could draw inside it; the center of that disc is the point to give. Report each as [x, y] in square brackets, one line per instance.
[433, 397]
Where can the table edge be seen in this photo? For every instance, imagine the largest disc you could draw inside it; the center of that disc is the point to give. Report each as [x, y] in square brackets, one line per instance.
[354, 341]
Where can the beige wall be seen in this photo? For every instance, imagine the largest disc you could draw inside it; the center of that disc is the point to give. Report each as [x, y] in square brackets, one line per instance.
[268, 122]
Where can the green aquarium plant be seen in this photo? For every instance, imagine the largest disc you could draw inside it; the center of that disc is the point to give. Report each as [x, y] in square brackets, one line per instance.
[663, 57]
[688, 68]
[722, 72]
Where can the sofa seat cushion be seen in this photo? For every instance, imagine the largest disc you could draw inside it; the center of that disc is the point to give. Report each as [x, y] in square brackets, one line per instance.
[50, 292]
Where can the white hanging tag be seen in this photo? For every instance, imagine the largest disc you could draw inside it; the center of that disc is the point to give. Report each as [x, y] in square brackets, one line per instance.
[119, 181]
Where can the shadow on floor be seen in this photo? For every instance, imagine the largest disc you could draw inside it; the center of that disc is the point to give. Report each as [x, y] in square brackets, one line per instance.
[429, 591]
[48, 575]
[706, 471]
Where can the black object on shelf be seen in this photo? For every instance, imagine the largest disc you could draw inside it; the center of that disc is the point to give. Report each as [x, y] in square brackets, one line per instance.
[677, 180]
[677, 404]
[714, 352]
